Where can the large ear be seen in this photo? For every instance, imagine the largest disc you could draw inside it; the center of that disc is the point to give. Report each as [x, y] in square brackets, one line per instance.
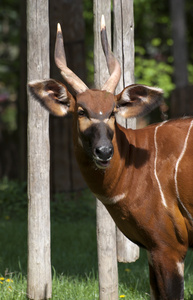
[53, 95]
[137, 100]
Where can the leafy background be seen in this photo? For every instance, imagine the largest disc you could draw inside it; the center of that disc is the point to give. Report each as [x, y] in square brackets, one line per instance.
[153, 48]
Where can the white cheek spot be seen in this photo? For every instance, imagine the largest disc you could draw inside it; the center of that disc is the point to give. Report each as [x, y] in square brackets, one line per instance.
[64, 110]
[155, 164]
[110, 201]
[100, 113]
[180, 268]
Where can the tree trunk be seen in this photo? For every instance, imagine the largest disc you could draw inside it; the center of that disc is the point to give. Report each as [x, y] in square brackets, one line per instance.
[179, 46]
[107, 254]
[39, 266]
[124, 51]
[181, 99]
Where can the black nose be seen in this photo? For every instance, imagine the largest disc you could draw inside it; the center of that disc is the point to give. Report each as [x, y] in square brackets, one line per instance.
[104, 152]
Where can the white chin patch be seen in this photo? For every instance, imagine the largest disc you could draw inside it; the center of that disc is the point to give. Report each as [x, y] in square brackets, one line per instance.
[102, 164]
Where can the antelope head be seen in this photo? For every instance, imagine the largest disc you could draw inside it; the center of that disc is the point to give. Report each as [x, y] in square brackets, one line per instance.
[94, 110]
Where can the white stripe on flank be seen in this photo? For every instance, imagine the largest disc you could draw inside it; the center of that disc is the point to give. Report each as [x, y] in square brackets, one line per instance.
[117, 198]
[180, 158]
[176, 170]
[112, 200]
[155, 164]
[180, 268]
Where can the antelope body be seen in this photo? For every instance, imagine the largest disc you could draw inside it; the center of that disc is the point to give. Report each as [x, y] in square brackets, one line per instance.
[144, 177]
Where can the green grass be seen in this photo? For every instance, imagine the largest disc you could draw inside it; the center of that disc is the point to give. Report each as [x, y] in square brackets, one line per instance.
[74, 251]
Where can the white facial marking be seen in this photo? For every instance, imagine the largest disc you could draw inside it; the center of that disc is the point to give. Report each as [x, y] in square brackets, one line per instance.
[176, 170]
[112, 200]
[100, 113]
[155, 164]
[93, 120]
[180, 268]
[64, 110]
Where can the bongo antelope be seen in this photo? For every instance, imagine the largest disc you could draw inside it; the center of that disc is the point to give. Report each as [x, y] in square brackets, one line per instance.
[144, 177]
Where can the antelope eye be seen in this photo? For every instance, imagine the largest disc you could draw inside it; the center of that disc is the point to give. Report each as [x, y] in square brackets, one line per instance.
[82, 113]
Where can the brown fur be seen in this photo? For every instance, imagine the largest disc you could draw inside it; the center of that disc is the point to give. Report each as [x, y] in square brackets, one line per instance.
[140, 186]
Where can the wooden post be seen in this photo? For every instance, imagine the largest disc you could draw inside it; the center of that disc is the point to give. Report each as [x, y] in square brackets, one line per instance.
[39, 266]
[106, 230]
[124, 51]
[181, 97]
[178, 22]
[107, 254]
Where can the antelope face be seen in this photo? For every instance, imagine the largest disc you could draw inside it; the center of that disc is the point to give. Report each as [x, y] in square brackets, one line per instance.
[94, 112]
[94, 109]
[95, 125]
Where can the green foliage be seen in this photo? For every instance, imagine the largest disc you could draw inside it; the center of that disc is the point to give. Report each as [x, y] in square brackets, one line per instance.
[69, 206]
[153, 42]
[89, 40]
[190, 72]
[75, 287]
[9, 60]
[13, 200]
[152, 72]
[9, 118]
[189, 34]
[153, 45]
[13, 287]
[65, 207]
[9, 46]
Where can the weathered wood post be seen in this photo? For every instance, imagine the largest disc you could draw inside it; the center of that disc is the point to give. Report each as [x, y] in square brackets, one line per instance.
[124, 50]
[110, 247]
[181, 97]
[106, 230]
[39, 266]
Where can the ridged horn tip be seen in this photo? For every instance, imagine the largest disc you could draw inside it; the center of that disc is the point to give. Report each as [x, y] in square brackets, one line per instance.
[59, 28]
[103, 25]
